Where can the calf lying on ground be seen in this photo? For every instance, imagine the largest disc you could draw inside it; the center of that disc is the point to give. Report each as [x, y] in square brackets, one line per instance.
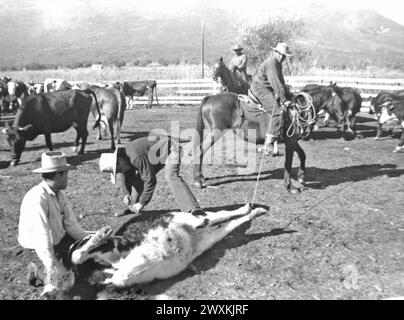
[166, 249]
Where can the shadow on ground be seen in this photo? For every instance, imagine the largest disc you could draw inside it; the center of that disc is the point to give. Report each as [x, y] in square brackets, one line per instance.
[327, 177]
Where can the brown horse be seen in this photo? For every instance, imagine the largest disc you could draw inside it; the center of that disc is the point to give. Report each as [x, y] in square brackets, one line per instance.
[230, 81]
[225, 111]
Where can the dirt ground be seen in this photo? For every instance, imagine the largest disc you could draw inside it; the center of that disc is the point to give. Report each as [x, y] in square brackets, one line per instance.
[345, 234]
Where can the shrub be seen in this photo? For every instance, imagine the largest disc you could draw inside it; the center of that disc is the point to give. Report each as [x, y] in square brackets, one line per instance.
[259, 38]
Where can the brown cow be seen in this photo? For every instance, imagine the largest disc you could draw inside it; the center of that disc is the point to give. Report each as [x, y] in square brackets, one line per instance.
[112, 107]
[139, 88]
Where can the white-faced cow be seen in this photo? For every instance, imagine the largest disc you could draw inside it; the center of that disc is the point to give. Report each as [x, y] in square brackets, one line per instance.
[47, 113]
[35, 88]
[51, 85]
[17, 92]
[139, 88]
[393, 111]
[166, 248]
[378, 102]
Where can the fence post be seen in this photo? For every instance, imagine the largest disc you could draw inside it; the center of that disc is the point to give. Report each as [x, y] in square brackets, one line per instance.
[202, 50]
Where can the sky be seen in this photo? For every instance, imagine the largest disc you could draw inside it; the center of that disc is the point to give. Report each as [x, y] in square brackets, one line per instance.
[55, 10]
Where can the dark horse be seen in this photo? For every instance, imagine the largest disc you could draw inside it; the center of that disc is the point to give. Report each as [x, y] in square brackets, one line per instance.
[225, 111]
[230, 81]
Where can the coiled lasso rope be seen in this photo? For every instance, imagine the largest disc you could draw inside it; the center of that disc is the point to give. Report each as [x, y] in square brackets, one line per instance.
[303, 115]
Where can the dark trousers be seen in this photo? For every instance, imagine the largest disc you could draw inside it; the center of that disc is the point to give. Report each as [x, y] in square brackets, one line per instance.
[270, 104]
[183, 195]
[61, 251]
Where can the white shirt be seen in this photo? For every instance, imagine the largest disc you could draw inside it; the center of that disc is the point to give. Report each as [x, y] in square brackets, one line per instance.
[45, 218]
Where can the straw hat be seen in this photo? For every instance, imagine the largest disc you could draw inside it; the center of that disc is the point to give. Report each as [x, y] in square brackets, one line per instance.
[237, 47]
[53, 161]
[108, 163]
[283, 48]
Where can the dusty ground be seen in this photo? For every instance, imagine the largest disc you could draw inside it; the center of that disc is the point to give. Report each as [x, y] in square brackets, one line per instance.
[345, 239]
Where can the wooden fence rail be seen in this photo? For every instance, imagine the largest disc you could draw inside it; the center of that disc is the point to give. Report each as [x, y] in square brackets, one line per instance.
[192, 91]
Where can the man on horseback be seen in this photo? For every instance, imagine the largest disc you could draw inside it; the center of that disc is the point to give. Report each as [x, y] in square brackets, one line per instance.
[268, 85]
[238, 64]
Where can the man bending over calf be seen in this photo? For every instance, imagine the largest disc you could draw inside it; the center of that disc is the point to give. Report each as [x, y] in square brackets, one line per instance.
[139, 162]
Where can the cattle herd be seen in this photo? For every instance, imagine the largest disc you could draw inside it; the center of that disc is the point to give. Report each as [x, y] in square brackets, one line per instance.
[56, 105]
[50, 107]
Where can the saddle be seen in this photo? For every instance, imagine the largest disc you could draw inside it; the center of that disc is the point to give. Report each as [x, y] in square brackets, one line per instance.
[250, 105]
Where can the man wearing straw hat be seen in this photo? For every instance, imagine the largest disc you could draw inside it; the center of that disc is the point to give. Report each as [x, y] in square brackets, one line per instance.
[139, 162]
[238, 63]
[47, 223]
[268, 85]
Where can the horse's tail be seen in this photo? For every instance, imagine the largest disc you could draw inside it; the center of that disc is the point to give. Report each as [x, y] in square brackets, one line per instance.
[198, 135]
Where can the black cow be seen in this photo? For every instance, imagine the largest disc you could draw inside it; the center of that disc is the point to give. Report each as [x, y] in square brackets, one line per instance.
[377, 103]
[326, 99]
[47, 113]
[139, 88]
[352, 102]
[393, 111]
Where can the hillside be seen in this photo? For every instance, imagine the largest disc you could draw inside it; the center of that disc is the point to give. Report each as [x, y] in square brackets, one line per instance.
[96, 34]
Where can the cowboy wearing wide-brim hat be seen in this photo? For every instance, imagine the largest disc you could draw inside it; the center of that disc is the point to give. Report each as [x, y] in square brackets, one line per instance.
[238, 63]
[283, 49]
[237, 47]
[54, 161]
[47, 223]
[269, 86]
[139, 161]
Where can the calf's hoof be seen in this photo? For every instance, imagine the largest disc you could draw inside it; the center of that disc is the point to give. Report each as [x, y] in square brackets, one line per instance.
[398, 148]
[13, 163]
[200, 183]
[293, 190]
[258, 212]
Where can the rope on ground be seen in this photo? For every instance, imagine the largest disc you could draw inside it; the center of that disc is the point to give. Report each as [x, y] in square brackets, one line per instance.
[258, 178]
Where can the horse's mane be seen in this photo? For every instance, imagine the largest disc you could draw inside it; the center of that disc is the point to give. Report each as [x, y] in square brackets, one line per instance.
[232, 82]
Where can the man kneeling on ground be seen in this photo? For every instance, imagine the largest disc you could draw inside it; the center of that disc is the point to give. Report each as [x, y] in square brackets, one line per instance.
[47, 223]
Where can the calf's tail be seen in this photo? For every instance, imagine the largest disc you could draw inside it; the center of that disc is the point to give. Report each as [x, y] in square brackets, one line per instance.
[155, 93]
